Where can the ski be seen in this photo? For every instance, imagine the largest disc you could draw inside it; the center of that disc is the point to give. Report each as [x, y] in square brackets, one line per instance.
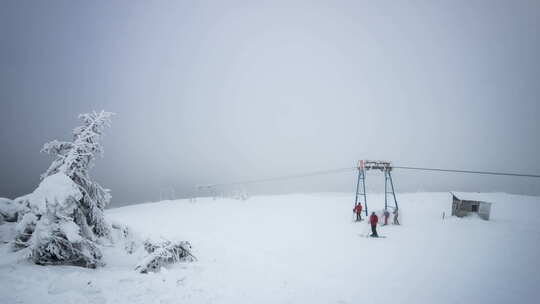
[373, 237]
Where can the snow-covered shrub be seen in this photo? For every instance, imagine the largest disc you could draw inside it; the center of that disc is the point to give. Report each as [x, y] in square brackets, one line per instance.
[158, 254]
[8, 210]
[25, 228]
[122, 235]
[163, 253]
[49, 233]
[22, 206]
[62, 220]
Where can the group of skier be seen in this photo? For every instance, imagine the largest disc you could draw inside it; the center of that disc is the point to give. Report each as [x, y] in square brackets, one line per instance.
[374, 219]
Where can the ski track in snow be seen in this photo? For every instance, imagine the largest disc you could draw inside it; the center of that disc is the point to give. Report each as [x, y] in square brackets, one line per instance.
[305, 248]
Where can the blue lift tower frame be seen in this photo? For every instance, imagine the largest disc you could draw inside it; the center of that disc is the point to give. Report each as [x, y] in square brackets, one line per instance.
[361, 196]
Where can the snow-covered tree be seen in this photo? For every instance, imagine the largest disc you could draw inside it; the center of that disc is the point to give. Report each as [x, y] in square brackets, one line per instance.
[63, 218]
[49, 232]
[62, 221]
[75, 158]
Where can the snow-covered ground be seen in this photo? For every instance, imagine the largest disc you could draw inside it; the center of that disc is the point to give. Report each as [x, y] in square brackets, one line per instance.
[305, 249]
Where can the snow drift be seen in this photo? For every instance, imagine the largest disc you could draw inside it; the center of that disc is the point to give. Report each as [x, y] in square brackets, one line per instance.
[305, 249]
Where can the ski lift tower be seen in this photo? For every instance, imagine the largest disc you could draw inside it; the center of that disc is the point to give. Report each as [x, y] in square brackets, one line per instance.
[386, 167]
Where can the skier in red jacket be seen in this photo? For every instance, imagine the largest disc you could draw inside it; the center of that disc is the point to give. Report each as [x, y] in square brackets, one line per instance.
[358, 210]
[373, 220]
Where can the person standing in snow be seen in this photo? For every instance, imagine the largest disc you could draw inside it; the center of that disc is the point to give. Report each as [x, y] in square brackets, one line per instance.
[373, 220]
[386, 216]
[358, 210]
[396, 214]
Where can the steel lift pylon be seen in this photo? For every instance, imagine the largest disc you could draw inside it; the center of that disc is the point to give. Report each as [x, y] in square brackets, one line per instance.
[386, 168]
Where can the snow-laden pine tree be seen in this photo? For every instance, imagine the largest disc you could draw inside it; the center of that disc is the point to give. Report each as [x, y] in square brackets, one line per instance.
[75, 158]
[63, 218]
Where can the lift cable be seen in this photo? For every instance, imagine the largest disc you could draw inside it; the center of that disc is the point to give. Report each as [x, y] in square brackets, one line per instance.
[280, 178]
[349, 169]
[467, 171]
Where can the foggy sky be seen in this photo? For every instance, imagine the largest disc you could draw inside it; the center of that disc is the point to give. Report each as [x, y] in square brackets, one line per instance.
[219, 91]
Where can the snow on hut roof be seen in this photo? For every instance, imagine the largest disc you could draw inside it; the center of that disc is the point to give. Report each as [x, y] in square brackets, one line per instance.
[472, 196]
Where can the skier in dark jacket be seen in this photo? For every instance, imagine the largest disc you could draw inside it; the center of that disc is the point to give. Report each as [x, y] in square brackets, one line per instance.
[358, 210]
[386, 216]
[373, 220]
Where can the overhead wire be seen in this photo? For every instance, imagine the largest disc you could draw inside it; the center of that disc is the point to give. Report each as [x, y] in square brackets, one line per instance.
[347, 169]
[280, 178]
[468, 171]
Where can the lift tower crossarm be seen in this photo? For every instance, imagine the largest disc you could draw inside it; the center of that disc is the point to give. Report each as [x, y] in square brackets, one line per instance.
[375, 165]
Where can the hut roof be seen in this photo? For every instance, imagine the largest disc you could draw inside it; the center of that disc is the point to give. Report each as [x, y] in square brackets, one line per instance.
[471, 196]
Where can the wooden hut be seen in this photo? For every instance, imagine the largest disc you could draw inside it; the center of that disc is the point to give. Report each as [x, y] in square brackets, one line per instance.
[464, 204]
